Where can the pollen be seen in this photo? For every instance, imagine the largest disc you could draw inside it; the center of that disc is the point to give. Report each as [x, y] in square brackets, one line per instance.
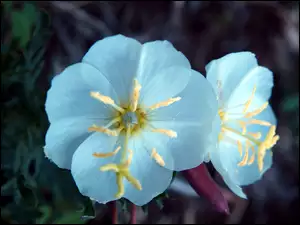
[164, 103]
[157, 157]
[103, 130]
[135, 95]
[170, 133]
[109, 154]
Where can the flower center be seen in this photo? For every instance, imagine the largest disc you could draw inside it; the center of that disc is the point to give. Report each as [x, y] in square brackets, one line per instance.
[137, 120]
[129, 120]
[250, 140]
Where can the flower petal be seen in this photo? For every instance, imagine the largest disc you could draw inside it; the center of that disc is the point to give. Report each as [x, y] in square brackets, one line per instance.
[153, 178]
[217, 162]
[230, 156]
[63, 138]
[229, 71]
[191, 118]
[157, 56]
[117, 57]
[234, 187]
[91, 182]
[164, 86]
[198, 103]
[69, 95]
[262, 79]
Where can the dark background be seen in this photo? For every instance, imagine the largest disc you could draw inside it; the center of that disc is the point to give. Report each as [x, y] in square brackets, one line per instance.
[39, 39]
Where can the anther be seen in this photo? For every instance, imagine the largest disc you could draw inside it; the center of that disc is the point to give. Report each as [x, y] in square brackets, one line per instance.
[157, 157]
[169, 133]
[135, 95]
[103, 130]
[106, 100]
[109, 154]
[165, 103]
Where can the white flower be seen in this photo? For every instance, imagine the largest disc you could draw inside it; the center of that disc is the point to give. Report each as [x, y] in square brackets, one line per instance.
[130, 110]
[246, 123]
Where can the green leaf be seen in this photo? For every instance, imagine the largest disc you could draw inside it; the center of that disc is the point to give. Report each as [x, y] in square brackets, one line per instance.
[22, 23]
[46, 214]
[71, 218]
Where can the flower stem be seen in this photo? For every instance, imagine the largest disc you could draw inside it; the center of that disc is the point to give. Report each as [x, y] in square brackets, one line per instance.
[200, 179]
[133, 214]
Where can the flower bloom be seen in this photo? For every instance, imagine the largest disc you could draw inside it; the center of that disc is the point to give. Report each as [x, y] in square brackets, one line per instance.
[126, 116]
[245, 123]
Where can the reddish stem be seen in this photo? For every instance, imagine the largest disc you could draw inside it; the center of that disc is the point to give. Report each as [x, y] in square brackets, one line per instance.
[113, 211]
[133, 214]
[200, 179]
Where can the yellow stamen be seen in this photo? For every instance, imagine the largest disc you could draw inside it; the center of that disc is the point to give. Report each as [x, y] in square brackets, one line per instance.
[221, 114]
[268, 143]
[169, 133]
[103, 130]
[133, 181]
[250, 100]
[245, 158]
[261, 156]
[244, 126]
[252, 156]
[107, 167]
[157, 157]
[255, 135]
[106, 100]
[257, 111]
[128, 161]
[240, 147]
[275, 139]
[260, 122]
[122, 170]
[109, 154]
[165, 103]
[135, 95]
[120, 185]
[103, 98]
[127, 135]
[113, 121]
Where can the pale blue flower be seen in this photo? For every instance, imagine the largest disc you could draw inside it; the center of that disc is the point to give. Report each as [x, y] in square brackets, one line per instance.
[245, 123]
[127, 116]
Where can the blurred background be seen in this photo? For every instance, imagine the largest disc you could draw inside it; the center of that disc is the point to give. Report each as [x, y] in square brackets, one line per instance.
[39, 39]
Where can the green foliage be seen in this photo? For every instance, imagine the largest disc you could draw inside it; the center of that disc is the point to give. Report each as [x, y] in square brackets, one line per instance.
[34, 190]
